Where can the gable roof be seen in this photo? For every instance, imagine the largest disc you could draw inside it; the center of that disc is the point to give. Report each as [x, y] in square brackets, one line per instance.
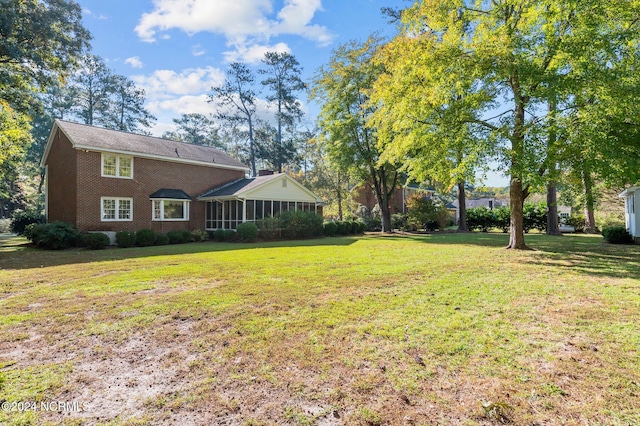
[629, 191]
[241, 188]
[83, 136]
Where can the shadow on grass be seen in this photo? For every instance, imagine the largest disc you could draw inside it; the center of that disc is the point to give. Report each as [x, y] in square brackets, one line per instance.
[586, 254]
[16, 254]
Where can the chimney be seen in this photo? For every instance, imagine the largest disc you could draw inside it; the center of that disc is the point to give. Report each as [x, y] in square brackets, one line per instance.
[265, 172]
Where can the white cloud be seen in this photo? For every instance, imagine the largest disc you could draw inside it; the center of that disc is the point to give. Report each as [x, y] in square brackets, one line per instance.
[253, 54]
[164, 84]
[134, 61]
[246, 24]
[198, 50]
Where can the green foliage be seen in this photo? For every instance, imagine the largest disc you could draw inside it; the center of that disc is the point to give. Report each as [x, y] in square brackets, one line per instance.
[362, 227]
[373, 224]
[229, 235]
[198, 235]
[480, 218]
[146, 237]
[125, 239]
[53, 236]
[179, 236]
[218, 235]
[21, 219]
[617, 235]
[535, 216]
[162, 239]
[577, 221]
[329, 229]
[342, 228]
[502, 217]
[299, 224]
[248, 231]
[96, 240]
[426, 213]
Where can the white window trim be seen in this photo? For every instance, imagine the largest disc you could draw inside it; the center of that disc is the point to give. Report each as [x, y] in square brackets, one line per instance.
[117, 200]
[187, 210]
[118, 157]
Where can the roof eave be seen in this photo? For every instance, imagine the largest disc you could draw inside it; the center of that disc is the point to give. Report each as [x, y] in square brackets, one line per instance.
[162, 158]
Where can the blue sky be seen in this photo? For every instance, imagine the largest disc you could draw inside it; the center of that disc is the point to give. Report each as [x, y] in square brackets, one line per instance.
[176, 50]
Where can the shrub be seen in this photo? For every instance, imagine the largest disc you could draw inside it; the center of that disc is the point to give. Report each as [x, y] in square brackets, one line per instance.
[178, 236]
[198, 235]
[617, 235]
[426, 213]
[96, 240]
[229, 234]
[21, 219]
[329, 229]
[162, 239]
[480, 218]
[300, 224]
[218, 235]
[373, 223]
[125, 239]
[5, 226]
[577, 221]
[342, 228]
[362, 227]
[535, 216]
[502, 217]
[248, 231]
[53, 236]
[146, 237]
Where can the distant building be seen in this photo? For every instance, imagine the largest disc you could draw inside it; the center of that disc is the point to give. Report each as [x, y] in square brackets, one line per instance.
[631, 197]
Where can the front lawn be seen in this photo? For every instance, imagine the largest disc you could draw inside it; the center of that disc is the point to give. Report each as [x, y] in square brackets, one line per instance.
[372, 330]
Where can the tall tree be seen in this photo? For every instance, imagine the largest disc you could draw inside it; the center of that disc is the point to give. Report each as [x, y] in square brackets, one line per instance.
[93, 85]
[127, 111]
[342, 88]
[425, 115]
[283, 80]
[521, 52]
[195, 129]
[236, 103]
[41, 41]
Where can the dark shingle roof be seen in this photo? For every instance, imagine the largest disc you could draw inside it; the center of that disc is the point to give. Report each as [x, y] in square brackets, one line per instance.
[237, 186]
[90, 137]
[172, 194]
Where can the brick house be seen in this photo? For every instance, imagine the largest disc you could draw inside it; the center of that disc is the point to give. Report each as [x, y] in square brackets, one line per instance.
[106, 180]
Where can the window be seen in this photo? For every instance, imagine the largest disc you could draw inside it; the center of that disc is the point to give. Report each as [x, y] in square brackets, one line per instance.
[116, 209]
[170, 210]
[117, 166]
[631, 204]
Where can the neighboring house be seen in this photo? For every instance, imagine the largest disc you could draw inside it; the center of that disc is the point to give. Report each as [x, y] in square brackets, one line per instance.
[472, 203]
[363, 194]
[105, 180]
[631, 197]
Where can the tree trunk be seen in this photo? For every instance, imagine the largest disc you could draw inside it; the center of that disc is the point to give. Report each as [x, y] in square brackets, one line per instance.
[516, 202]
[385, 213]
[553, 227]
[252, 149]
[462, 208]
[589, 202]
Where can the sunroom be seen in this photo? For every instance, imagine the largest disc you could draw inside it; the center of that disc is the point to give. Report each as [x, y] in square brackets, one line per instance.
[253, 199]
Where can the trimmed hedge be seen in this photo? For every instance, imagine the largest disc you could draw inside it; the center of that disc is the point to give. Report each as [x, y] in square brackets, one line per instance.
[125, 239]
[229, 234]
[53, 236]
[179, 236]
[198, 235]
[146, 237]
[96, 240]
[617, 235]
[248, 231]
[162, 239]
[329, 229]
[299, 224]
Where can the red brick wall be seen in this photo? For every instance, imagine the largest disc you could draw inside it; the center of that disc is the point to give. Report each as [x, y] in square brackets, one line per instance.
[76, 187]
[148, 177]
[61, 181]
[365, 195]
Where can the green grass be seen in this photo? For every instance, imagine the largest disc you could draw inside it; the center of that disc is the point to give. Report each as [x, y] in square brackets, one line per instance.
[447, 328]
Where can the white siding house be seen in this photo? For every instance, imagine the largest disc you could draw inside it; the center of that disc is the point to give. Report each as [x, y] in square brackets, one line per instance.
[632, 210]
